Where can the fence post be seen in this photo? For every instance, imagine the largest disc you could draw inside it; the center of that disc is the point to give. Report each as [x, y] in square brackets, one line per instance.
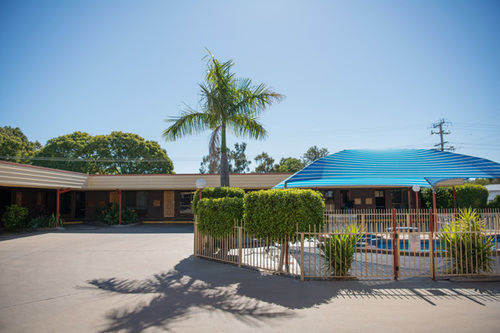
[395, 245]
[302, 256]
[363, 228]
[431, 242]
[240, 246]
[195, 232]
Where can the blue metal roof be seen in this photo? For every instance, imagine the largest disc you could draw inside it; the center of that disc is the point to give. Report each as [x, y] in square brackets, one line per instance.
[397, 168]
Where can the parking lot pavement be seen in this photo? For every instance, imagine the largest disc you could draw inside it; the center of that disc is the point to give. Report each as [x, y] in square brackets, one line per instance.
[143, 278]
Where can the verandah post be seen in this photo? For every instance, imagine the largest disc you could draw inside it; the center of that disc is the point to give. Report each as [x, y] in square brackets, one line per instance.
[395, 245]
[57, 207]
[119, 206]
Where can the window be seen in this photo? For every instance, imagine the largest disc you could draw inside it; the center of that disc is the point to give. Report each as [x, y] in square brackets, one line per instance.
[136, 199]
[185, 203]
[379, 199]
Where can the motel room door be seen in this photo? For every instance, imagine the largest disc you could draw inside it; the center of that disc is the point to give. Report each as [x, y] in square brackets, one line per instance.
[168, 203]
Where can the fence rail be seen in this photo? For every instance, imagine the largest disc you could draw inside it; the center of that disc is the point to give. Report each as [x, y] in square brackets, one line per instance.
[370, 244]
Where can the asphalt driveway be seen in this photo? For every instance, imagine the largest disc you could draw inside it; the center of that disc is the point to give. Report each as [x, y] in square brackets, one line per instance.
[143, 278]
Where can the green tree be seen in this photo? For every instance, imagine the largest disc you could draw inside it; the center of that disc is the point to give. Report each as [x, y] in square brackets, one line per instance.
[116, 153]
[265, 163]
[14, 145]
[227, 103]
[314, 153]
[63, 152]
[290, 164]
[238, 159]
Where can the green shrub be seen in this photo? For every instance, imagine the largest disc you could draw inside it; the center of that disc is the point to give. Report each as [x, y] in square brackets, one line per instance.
[216, 217]
[273, 214]
[467, 245]
[495, 203]
[215, 193]
[471, 195]
[338, 250]
[444, 197]
[14, 217]
[110, 214]
[45, 222]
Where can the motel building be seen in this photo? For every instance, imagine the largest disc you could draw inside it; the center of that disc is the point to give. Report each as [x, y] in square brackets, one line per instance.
[349, 179]
[153, 197]
[158, 197]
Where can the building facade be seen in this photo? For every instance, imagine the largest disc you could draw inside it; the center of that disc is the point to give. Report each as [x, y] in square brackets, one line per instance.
[153, 197]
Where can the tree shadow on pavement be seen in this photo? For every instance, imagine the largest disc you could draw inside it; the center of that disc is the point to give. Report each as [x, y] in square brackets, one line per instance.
[256, 298]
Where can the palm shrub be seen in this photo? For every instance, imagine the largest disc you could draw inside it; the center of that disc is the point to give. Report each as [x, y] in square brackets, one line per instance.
[110, 214]
[49, 221]
[338, 250]
[467, 245]
[14, 217]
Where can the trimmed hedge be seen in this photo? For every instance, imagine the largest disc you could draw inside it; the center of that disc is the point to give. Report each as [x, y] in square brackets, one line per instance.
[216, 193]
[471, 196]
[216, 217]
[495, 203]
[444, 197]
[467, 195]
[272, 214]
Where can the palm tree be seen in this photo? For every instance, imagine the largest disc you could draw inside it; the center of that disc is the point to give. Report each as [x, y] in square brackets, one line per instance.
[227, 103]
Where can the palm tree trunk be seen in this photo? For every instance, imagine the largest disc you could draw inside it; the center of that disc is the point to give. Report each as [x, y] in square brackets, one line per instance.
[224, 166]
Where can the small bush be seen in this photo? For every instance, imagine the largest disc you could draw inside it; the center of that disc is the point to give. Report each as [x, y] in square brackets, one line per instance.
[471, 195]
[338, 250]
[467, 245]
[45, 222]
[14, 217]
[495, 203]
[110, 214]
[274, 214]
[216, 217]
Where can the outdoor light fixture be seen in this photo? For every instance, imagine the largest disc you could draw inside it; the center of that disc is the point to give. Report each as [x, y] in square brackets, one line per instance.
[416, 188]
[200, 184]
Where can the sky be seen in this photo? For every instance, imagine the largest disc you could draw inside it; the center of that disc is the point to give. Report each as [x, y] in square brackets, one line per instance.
[356, 74]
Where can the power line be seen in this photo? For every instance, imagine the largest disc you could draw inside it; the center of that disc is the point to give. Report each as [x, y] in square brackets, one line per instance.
[72, 159]
[440, 124]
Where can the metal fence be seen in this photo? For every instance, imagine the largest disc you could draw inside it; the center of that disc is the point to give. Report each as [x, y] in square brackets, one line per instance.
[370, 244]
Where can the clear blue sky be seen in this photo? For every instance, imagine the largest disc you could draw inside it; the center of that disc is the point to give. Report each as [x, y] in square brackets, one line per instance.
[356, 74]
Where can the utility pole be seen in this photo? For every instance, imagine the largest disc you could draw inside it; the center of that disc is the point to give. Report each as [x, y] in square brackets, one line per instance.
[440, 124]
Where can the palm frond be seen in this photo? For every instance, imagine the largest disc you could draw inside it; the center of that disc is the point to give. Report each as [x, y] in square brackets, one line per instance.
[243, 125]
[254, 100]
[190, 122]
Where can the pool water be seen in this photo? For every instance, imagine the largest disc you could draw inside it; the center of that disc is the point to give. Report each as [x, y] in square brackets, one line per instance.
[386, 244]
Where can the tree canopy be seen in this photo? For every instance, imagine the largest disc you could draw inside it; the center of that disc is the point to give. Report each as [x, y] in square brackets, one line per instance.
[237, 160]
[115, 153]
[314, 153]
[15, 146]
